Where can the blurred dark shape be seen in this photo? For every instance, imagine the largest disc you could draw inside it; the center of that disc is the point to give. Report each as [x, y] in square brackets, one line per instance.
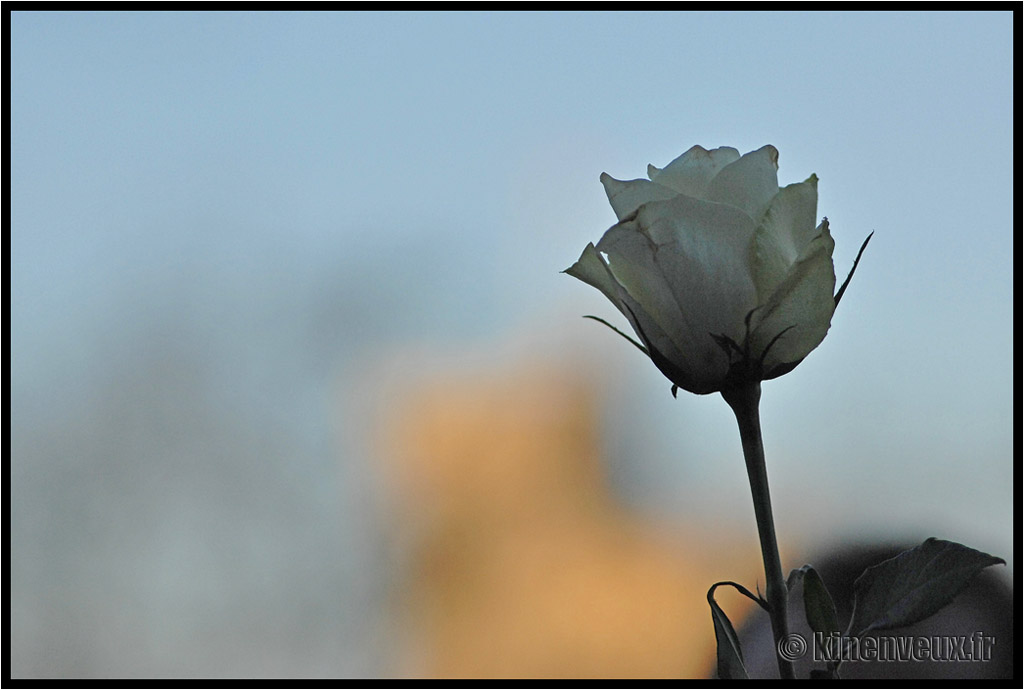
[985, 608]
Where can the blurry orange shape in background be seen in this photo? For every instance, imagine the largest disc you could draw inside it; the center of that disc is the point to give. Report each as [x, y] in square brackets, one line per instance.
[518, 559]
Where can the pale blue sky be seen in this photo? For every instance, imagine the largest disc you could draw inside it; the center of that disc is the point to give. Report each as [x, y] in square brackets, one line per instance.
[269, 197]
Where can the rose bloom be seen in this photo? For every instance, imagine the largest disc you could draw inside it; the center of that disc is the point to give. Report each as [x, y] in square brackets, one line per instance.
[726, 278]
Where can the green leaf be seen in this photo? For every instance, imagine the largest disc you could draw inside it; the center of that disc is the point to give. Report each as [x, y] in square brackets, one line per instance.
[818, 605]
[914, 585]
[730, 656]
[821, 615]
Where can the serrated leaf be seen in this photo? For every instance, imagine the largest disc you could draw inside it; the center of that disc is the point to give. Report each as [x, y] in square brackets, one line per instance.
[914, 585]
[730, 655]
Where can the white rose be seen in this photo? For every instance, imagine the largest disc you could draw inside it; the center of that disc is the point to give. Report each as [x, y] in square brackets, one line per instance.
[725, 277]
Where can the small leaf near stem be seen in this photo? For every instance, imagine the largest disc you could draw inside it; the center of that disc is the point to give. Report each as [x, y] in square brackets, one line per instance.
[727, 642]
[821, 615]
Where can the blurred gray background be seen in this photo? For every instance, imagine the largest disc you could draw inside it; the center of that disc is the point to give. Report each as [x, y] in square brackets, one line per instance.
[220, 221]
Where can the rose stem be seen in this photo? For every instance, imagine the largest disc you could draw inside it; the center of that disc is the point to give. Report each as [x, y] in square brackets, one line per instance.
[744, 401]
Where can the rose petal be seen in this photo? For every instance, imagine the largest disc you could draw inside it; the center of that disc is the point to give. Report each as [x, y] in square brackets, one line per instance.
[687, 262]
[592, 269]
[749, 183]
[691, 172]
[785, 230]
[629, 195]
[802, 303]
[704, 254]
[632, 263]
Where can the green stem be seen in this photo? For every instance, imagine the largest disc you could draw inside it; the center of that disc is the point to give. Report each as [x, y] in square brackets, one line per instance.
[744, 402]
